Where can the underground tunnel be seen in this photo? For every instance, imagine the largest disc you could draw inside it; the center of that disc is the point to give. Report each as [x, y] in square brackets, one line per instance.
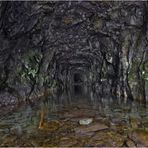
[74, 73]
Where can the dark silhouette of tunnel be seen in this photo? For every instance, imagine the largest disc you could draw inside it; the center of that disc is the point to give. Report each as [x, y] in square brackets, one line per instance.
[78, 81]
[78, 78]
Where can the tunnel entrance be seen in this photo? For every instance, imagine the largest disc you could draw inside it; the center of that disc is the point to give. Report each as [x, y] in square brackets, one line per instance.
[78, 89]
[78, 84]
[78, 78]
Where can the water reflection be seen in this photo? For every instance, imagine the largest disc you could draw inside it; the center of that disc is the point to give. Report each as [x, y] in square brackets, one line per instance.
[55, 111]
[107, 105]
[78, 89]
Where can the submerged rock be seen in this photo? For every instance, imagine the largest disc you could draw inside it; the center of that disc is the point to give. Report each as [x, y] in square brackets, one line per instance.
[85, 121]
[8, 141]
[130, 143]
[140, 137]
[90, 128]
[106, 139]
[68, 141]
[51, 126]
[135, 122]
[16, 130]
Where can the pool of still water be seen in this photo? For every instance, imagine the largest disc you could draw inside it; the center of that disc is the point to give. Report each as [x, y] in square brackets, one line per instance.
[113, 122]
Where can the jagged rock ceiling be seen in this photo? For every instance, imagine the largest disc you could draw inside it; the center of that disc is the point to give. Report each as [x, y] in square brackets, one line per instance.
[95, 37]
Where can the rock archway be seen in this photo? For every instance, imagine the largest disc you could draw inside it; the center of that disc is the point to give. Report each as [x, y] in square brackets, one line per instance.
[43, 44]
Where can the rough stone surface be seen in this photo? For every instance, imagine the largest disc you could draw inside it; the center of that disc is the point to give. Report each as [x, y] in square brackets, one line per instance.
[43, 45]
[90, 128]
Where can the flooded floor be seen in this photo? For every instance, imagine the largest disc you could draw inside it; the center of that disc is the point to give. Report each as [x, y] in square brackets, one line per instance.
[79, 121]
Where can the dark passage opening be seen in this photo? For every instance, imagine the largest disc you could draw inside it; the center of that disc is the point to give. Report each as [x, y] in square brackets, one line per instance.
[78, 78]
[78, 89]
[78, 84]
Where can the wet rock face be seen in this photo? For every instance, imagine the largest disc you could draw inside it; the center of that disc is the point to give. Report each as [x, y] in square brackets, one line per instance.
[10, 99]
[45, 43]
[8, 102]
